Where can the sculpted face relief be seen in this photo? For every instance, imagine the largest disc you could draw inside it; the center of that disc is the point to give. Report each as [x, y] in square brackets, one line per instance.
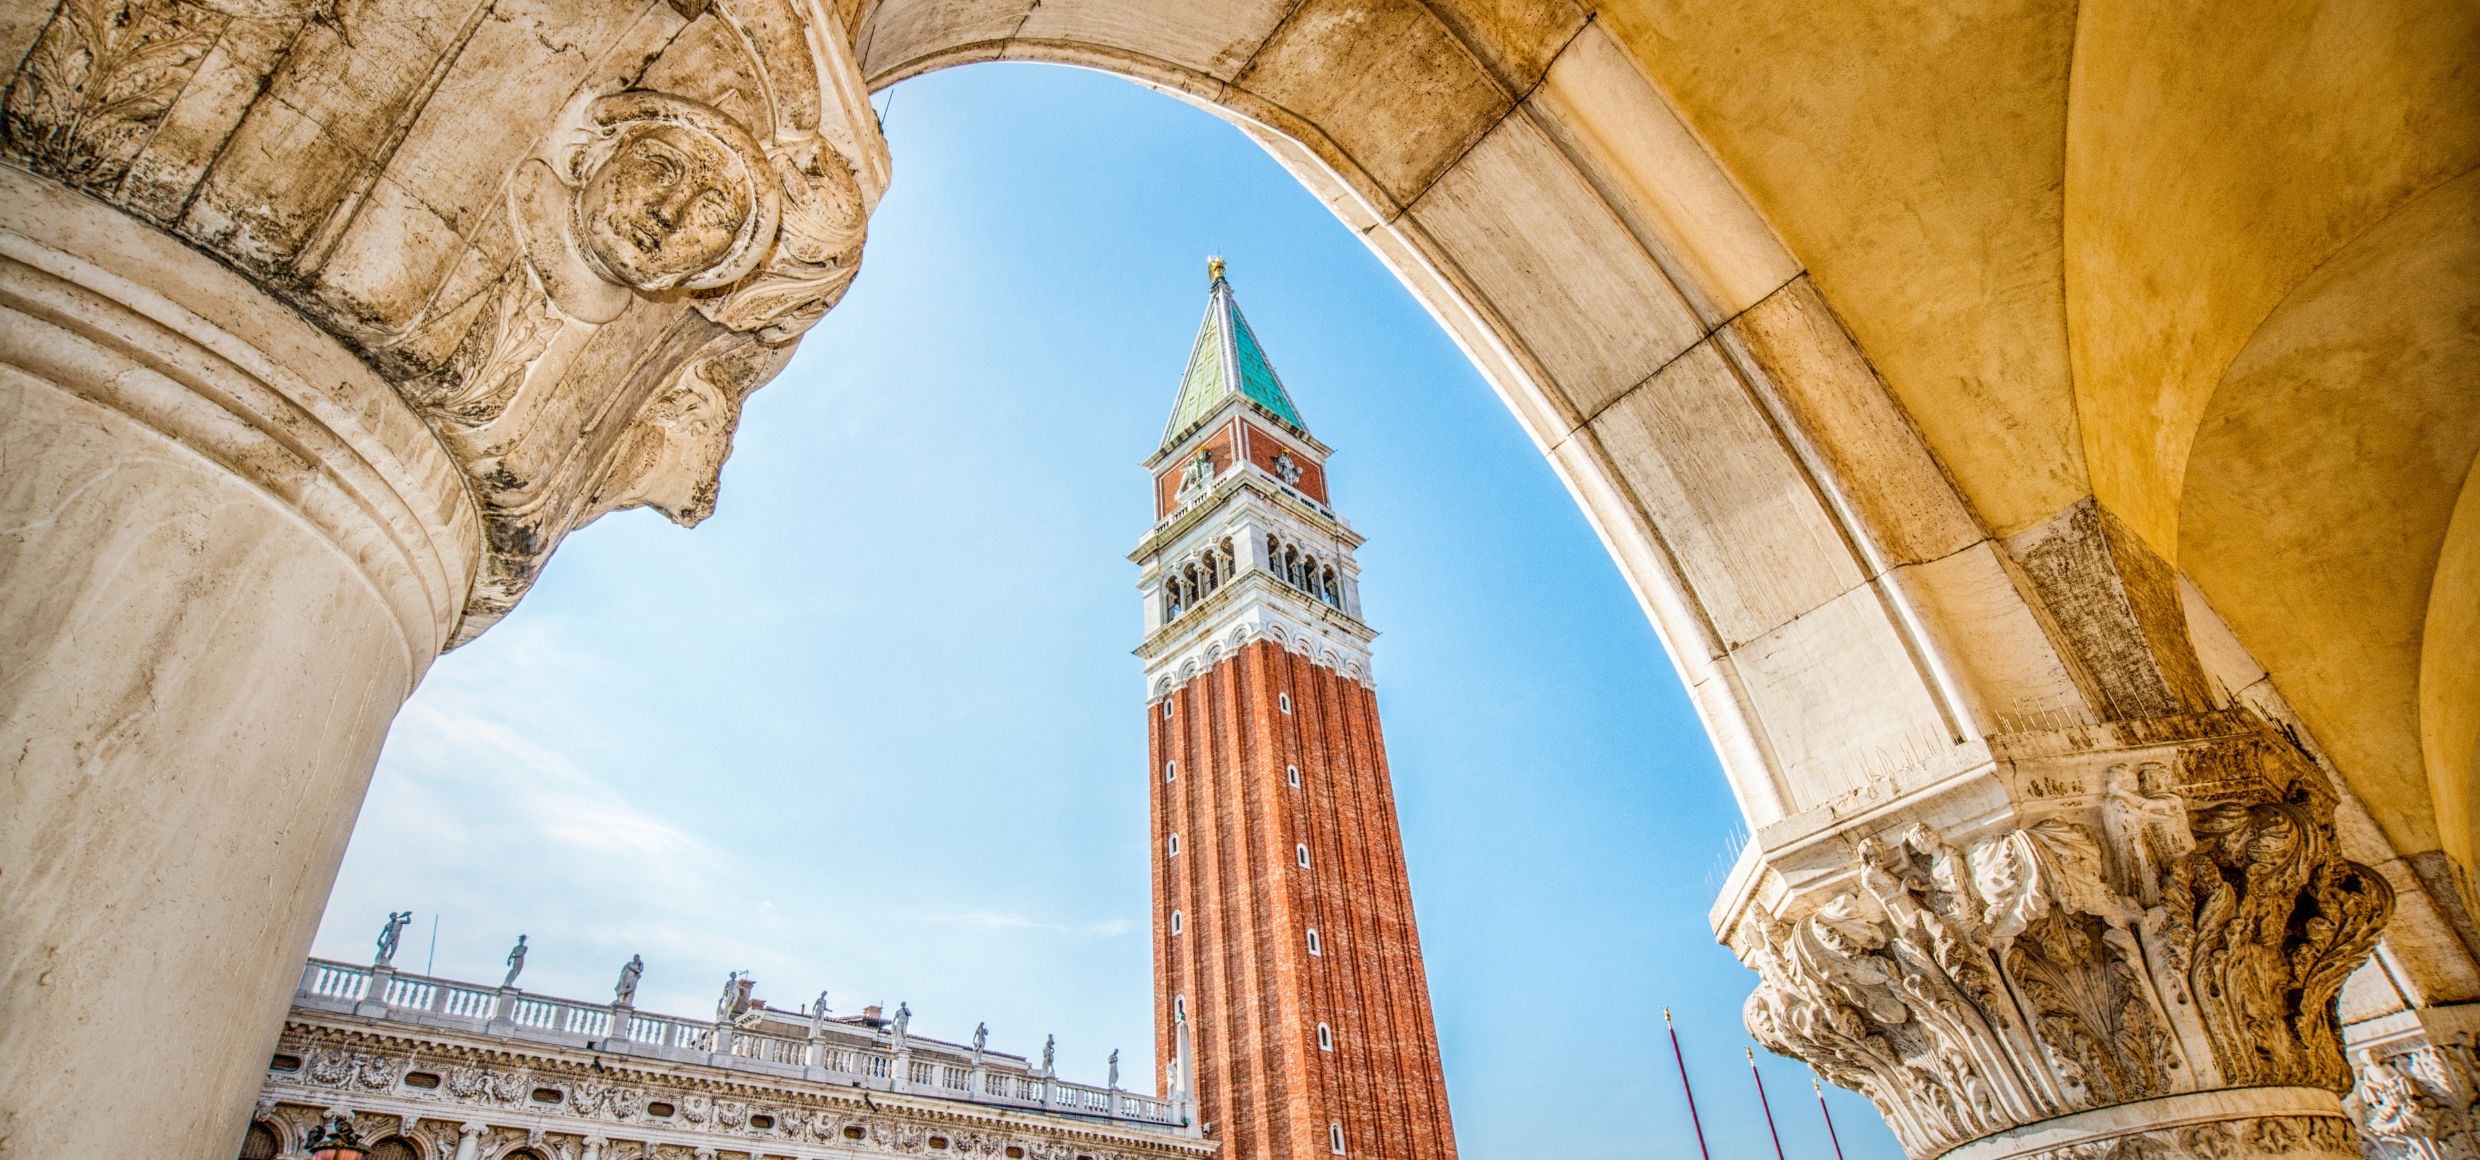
[668, 204]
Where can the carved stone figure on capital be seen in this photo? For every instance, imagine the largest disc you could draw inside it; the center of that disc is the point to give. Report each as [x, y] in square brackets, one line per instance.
[2420, 1104]
[643, 193]
[2063, 965]
[713, 243]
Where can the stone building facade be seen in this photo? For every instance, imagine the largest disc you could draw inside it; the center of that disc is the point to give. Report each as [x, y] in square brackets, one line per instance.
[435, 1069]
[1284, 941]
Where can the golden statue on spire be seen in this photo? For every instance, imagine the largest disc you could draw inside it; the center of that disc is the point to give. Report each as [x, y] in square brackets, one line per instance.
[1214, 268]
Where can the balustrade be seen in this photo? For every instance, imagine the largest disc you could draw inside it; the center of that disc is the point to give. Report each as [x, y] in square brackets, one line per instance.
[342, 987]
[334, 980]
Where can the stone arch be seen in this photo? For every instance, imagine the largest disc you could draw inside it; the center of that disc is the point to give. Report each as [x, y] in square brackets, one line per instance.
[398, 1147]
[1640, 319]
[262, 1140]
[1816, 574]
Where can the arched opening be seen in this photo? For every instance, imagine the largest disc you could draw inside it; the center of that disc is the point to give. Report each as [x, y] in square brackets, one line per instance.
[260, 1142]
[1474, 476]
[1829, 570]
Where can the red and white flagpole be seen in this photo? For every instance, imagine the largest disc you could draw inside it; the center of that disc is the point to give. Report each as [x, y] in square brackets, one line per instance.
[1821, 1110]
[1769, 1108]
[1699, 1125]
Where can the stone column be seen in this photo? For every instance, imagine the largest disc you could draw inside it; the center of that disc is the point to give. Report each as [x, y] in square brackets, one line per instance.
[230, 551]
[469, 1139]
[319, 331]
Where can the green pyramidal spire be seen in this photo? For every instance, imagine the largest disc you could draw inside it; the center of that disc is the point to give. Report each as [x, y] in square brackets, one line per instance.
[1227, 361]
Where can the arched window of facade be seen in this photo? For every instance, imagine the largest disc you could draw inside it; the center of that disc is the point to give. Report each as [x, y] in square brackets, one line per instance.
[395, 1148]
[260, 1143]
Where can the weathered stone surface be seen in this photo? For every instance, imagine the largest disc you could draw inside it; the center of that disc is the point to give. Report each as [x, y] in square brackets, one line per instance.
[1513, 205]
[1379, 81]
[230, 552]
[478, 200]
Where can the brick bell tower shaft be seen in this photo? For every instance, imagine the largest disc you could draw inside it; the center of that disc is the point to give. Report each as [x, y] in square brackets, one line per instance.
[1285, 951]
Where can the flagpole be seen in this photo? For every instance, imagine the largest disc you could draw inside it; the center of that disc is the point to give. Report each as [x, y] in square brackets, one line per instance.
[1822, 1110]
[1769, 1108]
[1699, 1125]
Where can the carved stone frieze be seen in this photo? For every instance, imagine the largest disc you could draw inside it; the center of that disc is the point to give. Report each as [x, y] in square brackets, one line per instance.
[574, 277]
[2217, 1140]
[2419, 1099]
[428, 1089]
[2171, 917]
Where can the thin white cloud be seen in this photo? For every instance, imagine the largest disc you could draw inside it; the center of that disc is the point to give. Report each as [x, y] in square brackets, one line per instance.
[1000, 920]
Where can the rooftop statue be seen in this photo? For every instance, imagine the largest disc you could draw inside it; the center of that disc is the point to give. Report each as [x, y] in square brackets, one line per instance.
[625, 992]
[516, 962]
[390, 934]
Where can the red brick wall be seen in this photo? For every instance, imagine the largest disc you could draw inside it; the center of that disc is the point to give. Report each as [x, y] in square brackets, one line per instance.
[1263, 448]
[1255, 995]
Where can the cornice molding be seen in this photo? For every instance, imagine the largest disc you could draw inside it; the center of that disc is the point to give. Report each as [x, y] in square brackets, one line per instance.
[1256, 607]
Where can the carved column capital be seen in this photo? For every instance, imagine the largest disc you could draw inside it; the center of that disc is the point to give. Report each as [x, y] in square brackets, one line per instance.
[571, 253]
[2418, 1090]
[2126, 914]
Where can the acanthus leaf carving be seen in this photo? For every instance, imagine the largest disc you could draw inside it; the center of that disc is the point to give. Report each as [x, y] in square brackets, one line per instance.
[2061, 965]
[100, 77]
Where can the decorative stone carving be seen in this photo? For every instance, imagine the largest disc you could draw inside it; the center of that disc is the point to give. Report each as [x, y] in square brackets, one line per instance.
[574, 280]
[2176, 921]
[2220, 1140]
[102, 76]
[2419, 1100]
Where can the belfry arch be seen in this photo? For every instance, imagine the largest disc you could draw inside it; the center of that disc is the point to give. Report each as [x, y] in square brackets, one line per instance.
[1927, 379]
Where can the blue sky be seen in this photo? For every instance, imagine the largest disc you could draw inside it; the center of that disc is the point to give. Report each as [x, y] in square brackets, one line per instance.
[875, 727]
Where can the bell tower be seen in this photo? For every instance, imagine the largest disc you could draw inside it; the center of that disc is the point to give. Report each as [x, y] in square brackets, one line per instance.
[1286, 962]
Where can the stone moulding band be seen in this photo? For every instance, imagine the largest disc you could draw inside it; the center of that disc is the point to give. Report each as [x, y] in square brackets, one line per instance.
[2168, 1115]
[1349, 661]
[215, 367]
